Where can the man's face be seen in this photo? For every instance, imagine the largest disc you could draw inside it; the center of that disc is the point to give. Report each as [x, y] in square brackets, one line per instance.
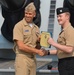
[29, 16]
[62, 18]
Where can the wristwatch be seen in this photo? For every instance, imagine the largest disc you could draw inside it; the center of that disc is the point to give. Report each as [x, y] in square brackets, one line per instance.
[48, 52]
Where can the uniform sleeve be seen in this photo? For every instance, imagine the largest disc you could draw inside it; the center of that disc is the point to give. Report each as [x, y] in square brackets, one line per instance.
[69, 36]
[18, 33]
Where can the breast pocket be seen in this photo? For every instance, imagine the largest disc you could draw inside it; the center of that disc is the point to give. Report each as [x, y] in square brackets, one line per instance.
[27, 34]
[61, 40]
[27, 37]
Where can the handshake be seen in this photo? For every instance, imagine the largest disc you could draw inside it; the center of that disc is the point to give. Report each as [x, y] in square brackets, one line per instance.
[43, 52]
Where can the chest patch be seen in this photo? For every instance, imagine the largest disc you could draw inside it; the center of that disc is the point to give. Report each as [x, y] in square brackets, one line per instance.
[26, 31]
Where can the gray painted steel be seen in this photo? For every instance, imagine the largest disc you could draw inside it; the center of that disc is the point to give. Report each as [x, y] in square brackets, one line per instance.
[7, 66]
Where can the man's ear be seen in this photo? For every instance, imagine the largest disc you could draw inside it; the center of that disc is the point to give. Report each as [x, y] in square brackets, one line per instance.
[34, 14]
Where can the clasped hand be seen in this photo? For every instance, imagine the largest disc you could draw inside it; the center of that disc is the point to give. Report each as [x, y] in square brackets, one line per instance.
[42, 52]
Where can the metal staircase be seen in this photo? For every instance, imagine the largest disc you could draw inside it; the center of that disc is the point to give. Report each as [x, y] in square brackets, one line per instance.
[51, 16]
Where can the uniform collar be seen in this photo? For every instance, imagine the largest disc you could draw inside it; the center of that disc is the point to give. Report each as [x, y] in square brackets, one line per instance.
[26, 24]
[67, 26]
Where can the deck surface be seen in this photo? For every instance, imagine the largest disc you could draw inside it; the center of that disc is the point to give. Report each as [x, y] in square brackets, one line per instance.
[9, 64]
[5, 64]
